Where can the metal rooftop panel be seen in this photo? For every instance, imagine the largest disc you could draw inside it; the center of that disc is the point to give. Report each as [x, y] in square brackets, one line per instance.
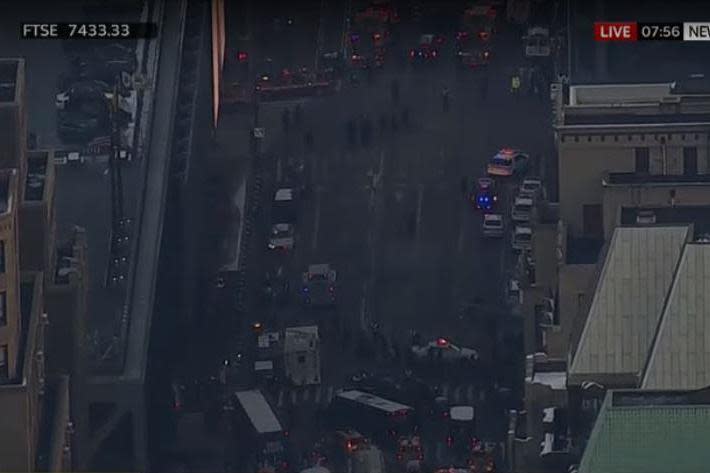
[648, 439]
[628, 301]
[259, 412]
[681, 354]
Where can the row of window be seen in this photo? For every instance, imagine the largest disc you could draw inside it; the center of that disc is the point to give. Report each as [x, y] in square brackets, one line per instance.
[690, 160]
[617, 138]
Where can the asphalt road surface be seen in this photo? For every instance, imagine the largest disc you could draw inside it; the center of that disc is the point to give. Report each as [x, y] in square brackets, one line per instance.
[389, 215]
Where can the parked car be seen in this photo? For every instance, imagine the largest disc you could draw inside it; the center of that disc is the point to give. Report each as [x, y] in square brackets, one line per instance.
[522, 238]
[531, 187]
[522, 209]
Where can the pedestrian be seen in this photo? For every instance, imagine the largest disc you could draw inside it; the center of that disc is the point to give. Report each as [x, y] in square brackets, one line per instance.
[383, 124]
[405, 116]
[515, 85]
[297, 114]
[351, 132]
[394, 91]
[445, 99]
[286, 119]
[365, 129]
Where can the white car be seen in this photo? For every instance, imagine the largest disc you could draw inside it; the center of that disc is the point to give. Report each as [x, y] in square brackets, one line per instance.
[522, 209]
[442, 350]
[282, 237]
[531, 187]
[493, 226]
[522, 238]
[508, 162]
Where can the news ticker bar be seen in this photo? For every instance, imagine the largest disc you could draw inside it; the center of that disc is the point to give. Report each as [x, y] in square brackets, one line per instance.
[636, 31]
[88, 30]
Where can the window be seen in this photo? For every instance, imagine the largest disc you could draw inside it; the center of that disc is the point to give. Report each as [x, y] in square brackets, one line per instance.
[2, 256]
[690, 161]
[3, 311]
[4, 372]
[641, 157]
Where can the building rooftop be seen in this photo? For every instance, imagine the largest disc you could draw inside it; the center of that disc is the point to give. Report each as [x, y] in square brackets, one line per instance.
[629, 298]
[624, 178]
[299, 339]
[605, 94]
[9, 69]
[681, 355]
[650, 432]
[698, 215]
[37, 162]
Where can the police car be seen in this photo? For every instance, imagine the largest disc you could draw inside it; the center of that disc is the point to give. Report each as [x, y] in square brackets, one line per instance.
[442, 350]
[282, 237]
[508, 162]
[319, 285]
[485, 196]
[427, 49]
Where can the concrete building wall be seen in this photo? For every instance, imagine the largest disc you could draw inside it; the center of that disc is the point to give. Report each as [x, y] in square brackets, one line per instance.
[615, 197]
[585, 156]
[10, 277]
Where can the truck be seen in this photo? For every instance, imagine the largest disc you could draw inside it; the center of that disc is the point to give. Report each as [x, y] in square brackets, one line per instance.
[537, 42]
[259, 438]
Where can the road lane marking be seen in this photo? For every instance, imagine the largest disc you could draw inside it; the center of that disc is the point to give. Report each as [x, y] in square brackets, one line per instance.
[316, 221]
[420, 200]
[363, 308]
[470, 394]
[306, 394]
[279, 170]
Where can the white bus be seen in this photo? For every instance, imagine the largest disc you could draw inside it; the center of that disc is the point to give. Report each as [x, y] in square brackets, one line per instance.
[372, 415]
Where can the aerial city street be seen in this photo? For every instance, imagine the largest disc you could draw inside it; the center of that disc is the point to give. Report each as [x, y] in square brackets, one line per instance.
[355, 236]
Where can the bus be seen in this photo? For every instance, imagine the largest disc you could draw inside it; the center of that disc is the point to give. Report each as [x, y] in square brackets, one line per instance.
[380, 418]
[260, 438]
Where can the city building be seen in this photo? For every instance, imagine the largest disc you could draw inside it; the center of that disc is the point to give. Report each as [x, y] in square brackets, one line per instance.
[13, 116]
[641, 143]
[35, 394]
[639, 431]
[37, 223]
[22, 393]
[11, 349]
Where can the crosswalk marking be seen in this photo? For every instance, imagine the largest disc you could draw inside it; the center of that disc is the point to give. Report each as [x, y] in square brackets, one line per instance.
[293, 398]
[470, 393]
[306, 393]
[457, 394]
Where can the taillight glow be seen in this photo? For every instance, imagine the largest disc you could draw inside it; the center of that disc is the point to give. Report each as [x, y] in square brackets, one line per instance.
[483, 35]
[242, 56]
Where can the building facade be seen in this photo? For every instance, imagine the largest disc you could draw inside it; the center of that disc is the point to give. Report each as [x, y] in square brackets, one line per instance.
[647, 130]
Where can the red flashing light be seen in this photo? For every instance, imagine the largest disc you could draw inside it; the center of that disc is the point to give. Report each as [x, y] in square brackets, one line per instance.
[442, 342]
[434, 53]
[377, 36]
[412, 53]
[242, 56]
[483, 35]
